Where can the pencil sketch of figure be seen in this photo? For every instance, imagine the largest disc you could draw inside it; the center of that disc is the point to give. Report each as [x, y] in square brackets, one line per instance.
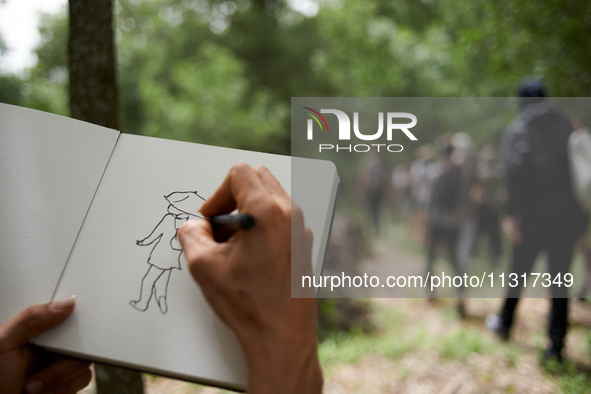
[166, 251]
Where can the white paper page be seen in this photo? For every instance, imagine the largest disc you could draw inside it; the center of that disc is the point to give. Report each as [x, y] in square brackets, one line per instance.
[107, 265]
[50, 167]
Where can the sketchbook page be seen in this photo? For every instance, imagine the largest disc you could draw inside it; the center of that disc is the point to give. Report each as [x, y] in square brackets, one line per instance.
[165, 326]
[50, 167]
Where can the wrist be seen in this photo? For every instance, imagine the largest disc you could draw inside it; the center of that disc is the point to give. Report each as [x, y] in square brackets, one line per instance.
[282, 364]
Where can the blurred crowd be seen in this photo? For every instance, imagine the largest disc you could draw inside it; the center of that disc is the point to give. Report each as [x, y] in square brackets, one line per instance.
[451, 193]
[456, 197]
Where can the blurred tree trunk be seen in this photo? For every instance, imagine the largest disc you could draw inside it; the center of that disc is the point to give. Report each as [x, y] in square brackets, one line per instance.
[91, 62]
[93, 98]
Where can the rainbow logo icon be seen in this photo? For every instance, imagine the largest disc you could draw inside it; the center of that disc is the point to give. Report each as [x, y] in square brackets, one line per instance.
[316, 116]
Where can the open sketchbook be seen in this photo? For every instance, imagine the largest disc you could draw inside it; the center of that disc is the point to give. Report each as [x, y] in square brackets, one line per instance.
[91, 211]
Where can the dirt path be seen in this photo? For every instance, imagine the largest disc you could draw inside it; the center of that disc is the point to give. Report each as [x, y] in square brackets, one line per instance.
[449, 355]
[431, 366]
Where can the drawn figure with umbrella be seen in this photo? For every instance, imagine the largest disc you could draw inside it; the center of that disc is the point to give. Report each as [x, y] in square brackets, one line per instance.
[166, 249]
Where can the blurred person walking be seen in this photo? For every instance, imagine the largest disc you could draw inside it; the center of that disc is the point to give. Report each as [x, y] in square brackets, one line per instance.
[421, 179]
[488, 192]
[464, 158]
[401, 186]
[443, 216]
[372, 186]
[542, 212]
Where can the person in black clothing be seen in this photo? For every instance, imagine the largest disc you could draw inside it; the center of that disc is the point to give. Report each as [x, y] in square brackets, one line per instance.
[443, 217]
[372, 181]
[542, 212]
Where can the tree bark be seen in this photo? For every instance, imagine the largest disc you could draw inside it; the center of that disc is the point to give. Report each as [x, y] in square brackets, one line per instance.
[91, 62]
[93, 98]
[113, 380]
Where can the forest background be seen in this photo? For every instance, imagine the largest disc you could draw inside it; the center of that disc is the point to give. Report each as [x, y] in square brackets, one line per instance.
[224, 72]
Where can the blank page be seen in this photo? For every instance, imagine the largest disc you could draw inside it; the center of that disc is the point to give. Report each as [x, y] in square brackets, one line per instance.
[50, 167]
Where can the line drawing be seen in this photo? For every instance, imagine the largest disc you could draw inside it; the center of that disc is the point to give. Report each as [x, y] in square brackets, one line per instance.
[166, 251]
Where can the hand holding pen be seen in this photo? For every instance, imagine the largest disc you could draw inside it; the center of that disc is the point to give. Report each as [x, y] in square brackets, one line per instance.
[247, 278]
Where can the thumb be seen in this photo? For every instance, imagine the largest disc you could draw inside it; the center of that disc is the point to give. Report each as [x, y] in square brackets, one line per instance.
[34, 320]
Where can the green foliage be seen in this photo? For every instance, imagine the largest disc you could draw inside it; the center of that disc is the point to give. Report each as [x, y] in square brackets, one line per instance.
[364, 52]
[570, 378]
[350, 346]
[47, 96]
[3, 48]
[201, 100]
[42, 87]
[181, 80]
[338, 316]
[223, 72]
[511, 353]
[463, 342]
[52, 51]
[11, 89]
[343, 348]
[575, 384]
[499, 43]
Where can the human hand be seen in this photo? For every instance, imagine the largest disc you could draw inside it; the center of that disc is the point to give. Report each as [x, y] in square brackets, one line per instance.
[512, 230]
[63, 375]
[247, 280]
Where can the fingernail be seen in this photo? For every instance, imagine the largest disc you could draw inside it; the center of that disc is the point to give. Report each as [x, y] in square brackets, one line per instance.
[64, 303]
[34, 387]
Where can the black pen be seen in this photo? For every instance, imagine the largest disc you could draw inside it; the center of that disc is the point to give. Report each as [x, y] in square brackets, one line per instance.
[231, 222]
